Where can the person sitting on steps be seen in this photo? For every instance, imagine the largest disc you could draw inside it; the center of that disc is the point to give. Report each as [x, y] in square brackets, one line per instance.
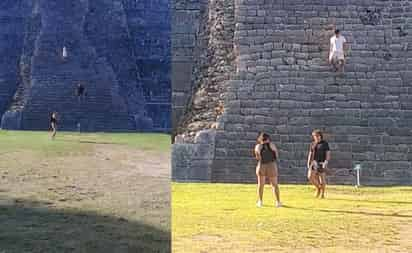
[336, 52]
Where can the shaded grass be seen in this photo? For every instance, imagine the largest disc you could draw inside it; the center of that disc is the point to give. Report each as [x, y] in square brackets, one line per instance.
[226, 213]
[70, 143]
[34, 227]
[93, 192]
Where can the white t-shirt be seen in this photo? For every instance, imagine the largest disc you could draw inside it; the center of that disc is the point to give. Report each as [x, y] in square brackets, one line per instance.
[337, 43]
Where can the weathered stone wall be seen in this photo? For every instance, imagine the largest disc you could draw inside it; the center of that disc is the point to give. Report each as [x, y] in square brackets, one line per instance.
[210, 64]
[186, 27]
[107, 51]
[193, 161]
[284, 86]
[12, 18]
[149, 24]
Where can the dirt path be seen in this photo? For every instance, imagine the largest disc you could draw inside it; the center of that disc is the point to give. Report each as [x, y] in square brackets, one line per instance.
[113, 181]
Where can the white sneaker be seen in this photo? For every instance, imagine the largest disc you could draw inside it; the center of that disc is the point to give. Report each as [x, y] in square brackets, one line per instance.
[278, 204]
[259, 204]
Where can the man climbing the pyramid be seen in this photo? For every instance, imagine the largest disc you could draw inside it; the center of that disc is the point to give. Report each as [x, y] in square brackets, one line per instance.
[80, 92]
[336, 52]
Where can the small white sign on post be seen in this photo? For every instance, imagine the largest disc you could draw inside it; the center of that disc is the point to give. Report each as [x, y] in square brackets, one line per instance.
[64, 53]
[357, 169]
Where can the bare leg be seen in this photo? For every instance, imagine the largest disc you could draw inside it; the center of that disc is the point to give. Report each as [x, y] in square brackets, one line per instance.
[322, 179]
[261, 186]
[313, 178]
[317, 184]
[53, 133]
[334, 64]
[341, 65]
[275, 188]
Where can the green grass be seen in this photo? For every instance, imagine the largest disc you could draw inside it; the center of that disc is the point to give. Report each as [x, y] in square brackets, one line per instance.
[71, 142]
[224, 218]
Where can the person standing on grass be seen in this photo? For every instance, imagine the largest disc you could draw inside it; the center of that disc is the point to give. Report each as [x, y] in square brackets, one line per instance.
[53, 124]
[318, 159]
[336, 51]
[266, 154]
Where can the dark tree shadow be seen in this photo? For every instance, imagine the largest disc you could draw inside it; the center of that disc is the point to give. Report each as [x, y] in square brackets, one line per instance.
[33, 227]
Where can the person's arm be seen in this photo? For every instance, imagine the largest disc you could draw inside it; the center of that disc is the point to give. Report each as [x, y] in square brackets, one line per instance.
[327, 158]
[345, 47]
[325, 164]
[275, 149]
[330, 50]
[258, 148]
[330, 46]
[309, 157]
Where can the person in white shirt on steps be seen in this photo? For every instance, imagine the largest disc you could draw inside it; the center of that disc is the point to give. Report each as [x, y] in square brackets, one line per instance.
[336, 52]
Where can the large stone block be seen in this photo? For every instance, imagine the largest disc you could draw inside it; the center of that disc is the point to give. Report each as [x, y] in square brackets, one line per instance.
[192, 162]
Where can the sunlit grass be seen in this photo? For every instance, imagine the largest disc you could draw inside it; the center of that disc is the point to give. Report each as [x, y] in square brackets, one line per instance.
[350, 218]
[70, 142]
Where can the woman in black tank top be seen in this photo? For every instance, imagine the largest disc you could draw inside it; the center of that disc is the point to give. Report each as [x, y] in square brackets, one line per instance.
[266, 153]
[318, 159]
[53, 124]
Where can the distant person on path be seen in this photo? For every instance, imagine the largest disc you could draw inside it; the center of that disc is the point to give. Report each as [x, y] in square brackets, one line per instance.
[80, 92]
[266, 154]
[318, 159]
[53, 124]
[336, 52]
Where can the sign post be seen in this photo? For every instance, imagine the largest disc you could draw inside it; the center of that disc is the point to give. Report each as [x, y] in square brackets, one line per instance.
[357, 169]
[64, 53]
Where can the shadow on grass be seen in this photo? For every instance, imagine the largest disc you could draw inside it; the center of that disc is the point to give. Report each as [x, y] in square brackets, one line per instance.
[101, 142]
[28, 226]
[397, 215]
[375, 201]
[90, 142]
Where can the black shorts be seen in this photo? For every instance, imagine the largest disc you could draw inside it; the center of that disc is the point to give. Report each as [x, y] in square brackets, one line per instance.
[318, 169]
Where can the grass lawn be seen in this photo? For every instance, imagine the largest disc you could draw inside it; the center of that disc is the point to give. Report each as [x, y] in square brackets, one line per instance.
[224, 218]
[71, 142]
[89, 192]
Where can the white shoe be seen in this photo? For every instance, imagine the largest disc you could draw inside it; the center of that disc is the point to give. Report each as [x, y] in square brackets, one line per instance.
[278, 204]
[259, 204]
